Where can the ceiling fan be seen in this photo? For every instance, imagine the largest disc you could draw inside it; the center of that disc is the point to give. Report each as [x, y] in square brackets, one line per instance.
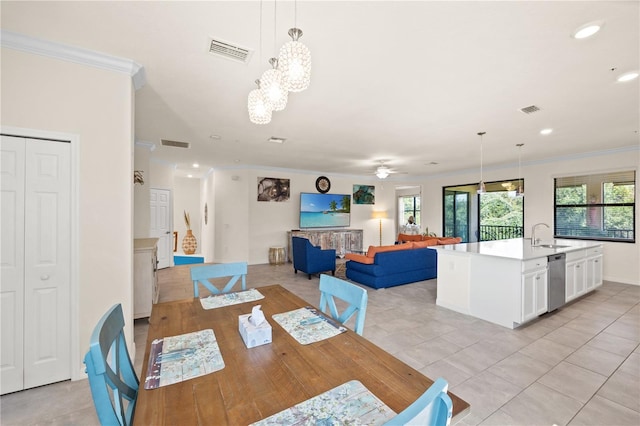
[382, 172]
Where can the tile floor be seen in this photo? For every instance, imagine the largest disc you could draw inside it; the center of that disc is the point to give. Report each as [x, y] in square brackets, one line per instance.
[579, 365]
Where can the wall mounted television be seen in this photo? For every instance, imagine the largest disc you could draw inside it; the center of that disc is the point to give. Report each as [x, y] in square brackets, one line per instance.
[324, 210]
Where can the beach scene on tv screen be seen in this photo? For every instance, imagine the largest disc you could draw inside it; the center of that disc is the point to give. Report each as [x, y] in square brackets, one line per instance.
[324, 210]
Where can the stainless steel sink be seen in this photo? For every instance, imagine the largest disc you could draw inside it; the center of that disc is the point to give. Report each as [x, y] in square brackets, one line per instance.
[551, 246]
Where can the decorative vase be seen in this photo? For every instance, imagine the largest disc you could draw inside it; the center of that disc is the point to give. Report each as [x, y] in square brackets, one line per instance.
[189, 243]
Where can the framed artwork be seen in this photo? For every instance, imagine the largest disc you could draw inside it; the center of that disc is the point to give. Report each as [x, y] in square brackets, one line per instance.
[364, 194]
[273, 189]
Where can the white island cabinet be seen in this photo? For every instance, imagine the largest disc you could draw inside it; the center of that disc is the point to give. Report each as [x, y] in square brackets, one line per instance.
[506, 282]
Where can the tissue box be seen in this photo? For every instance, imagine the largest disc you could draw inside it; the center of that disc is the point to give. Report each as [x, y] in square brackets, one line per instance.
[254, 336]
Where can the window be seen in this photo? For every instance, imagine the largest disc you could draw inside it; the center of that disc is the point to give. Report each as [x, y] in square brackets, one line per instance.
[596, 207]
[410, 206]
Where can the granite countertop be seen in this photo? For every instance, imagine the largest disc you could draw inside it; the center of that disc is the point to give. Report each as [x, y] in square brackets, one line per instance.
[518, 248]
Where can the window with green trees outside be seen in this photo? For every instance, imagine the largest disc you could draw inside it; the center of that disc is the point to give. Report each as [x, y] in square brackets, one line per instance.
[596, 207]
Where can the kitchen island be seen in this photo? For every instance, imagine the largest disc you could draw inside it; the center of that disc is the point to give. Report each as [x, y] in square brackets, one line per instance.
[506, 281]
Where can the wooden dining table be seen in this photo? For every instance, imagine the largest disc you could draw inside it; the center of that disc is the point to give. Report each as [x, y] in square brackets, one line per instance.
[259, 382]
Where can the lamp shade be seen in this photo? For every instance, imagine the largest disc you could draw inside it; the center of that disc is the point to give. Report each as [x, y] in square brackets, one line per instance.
[295, 63]
[272, 87]
[379, 214]
[259, 108]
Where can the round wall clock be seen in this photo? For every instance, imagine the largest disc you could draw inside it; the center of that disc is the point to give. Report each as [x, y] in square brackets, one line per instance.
[323, 185]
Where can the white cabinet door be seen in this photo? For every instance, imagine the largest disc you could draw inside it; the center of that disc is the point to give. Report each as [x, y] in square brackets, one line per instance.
[528, 306]
[541, 292]
[594, 272]
[575, 279]
[534, 295]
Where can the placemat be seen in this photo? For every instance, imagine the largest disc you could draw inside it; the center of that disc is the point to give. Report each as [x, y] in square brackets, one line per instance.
[348, 404]
[234, 298]
[178, 358]
[307, 325]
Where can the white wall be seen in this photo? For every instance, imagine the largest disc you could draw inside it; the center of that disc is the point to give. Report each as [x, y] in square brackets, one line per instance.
[620, 259]
[186, 198]
[142, 194]
[97, 106]
[245, 228]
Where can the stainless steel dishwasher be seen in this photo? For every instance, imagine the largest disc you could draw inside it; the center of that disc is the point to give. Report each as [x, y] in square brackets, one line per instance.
[556, 272]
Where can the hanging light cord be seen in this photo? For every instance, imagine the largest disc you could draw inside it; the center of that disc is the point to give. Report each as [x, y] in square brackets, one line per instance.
[481, 134]
[295, 14]
[275, 15]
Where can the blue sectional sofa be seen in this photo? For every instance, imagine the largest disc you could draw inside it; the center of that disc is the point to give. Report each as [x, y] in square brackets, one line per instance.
[392, 268]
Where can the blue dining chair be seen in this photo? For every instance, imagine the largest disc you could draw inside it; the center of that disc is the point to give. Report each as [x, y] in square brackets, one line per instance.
[355, 296]
[202, 274]
[112, 378]
[432, 408]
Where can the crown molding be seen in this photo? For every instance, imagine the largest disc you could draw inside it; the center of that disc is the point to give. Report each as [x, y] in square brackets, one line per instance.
[78, 55]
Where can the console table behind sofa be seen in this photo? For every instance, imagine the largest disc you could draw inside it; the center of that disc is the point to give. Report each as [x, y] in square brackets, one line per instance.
[342, 240]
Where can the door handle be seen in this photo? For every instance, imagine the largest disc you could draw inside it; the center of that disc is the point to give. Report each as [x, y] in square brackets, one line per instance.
[44, 277]
[167, 232]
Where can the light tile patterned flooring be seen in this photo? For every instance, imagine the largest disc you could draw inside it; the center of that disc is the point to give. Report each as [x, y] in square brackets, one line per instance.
[579, 365]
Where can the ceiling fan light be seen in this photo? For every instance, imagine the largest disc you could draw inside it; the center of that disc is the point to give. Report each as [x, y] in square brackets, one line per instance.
[295, 63]
[382, 172]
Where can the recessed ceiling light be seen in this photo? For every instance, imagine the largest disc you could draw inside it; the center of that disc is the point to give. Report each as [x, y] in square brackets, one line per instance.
[546, 131]
[628, 76]
[214, 136]
[587, 30]
[189, 176]
[274, 139]
[196, 165]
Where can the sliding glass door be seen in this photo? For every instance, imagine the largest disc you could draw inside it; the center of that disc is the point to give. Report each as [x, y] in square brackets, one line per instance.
[456, 214]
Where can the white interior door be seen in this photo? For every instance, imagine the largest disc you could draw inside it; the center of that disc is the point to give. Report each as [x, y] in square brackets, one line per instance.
[41, 224]
[161, 220]
[12, 265]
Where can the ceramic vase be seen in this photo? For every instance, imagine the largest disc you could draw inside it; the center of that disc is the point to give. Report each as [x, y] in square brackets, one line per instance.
[189, 243]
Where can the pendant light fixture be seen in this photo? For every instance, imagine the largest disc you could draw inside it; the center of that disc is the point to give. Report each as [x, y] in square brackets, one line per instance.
[259, 108]
[481, 186]
[295, 60]
[271, 82]
[272, 88]
[520, 189]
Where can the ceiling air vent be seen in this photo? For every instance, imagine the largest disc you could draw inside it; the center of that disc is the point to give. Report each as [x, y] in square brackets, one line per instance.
[530, 109]
[166, 142]
[229, 51]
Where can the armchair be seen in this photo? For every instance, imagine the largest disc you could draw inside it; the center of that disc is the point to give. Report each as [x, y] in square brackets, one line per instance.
[311, 259]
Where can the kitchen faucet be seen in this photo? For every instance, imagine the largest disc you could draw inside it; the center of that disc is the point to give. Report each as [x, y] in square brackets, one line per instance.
[534, 241]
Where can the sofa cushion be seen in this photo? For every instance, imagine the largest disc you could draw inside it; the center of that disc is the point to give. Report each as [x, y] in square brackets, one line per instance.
[407, 237]
[426, 243]
[360, 258]
[450, 240]
[382, 249]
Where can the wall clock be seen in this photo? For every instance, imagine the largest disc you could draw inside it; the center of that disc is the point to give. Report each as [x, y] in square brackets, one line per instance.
[323, 184]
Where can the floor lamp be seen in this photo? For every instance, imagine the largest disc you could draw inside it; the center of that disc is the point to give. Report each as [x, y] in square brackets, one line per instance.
[380, 214]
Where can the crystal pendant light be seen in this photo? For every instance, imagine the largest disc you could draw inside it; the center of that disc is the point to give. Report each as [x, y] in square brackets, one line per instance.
[272, 88]
[259, 107]
[295, 63]
[520, 190]
[481, 187]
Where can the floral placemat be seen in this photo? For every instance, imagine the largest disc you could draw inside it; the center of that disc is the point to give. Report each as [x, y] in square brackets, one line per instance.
[348, 404]
[228, 299]
[178, 358]
[307, 325]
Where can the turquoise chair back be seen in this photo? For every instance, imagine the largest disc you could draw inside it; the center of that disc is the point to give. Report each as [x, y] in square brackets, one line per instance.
[112, 378]
[355, 296]
[433, 408]
[202, 274]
